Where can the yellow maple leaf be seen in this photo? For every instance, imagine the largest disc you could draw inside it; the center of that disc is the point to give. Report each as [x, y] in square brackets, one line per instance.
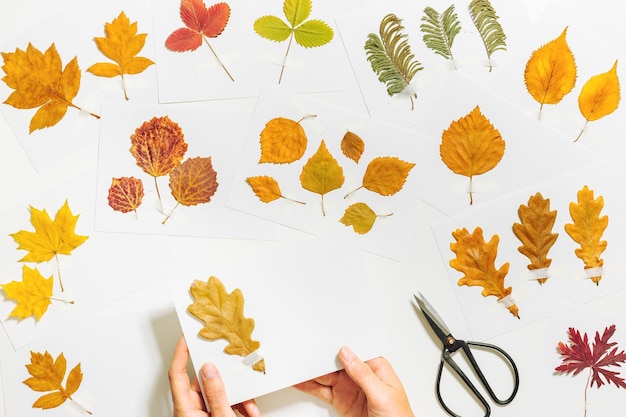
[32, 294]
[50, 238]
[361, 217]
[223, 318]
[39, 80]
[476, 258]
[599, 96]
[588, 228]
[283, 141]
[322, 173]
[121, 45]
[47, 374]
[550, 72]
[535, 232]
[471, 146]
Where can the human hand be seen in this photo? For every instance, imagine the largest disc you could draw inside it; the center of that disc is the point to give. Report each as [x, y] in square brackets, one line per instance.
[187, 397]
[361, 389]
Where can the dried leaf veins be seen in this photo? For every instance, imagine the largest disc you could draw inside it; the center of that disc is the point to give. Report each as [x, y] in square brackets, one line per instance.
[322, 173]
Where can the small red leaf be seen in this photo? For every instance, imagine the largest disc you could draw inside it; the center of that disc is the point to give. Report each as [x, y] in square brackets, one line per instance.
[218, 18]
[182, 40]
[194, 14]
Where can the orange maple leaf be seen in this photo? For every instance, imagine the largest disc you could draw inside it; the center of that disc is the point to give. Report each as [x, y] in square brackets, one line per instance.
[40, 81]
[322, 173]
[125, 194]
[550, 72]
[471, 146]
[121, 45]
[282, 141]
[158, 146]
[223, 318]
[47, 374]
[193, 182]
[476, 258]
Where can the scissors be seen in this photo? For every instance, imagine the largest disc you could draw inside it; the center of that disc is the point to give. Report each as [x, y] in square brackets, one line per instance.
[451, 345]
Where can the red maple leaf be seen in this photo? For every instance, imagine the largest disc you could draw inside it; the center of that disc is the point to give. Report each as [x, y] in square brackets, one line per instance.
[200, 21]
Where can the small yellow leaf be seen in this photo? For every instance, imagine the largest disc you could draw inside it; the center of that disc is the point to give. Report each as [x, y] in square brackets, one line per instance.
[588, 228]
[32, 294]
[266, 188]
[471, 145]
[223, 318]
[386, 175]
[352, 146]
[550, 73]
[282, 141]
[360, 216]
[322, 173]
[476, 258]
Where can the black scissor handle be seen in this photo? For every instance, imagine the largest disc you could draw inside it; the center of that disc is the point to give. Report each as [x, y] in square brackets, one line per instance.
[447, 358]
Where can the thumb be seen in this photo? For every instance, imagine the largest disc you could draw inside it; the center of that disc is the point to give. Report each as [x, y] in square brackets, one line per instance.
[214, 390]
[359, 372]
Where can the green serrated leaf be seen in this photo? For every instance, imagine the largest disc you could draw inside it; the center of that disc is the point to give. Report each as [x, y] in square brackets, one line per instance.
[313, 33]
[390, 56]
[272, 28]
[297, 11]
[486, 21]
[440, 30]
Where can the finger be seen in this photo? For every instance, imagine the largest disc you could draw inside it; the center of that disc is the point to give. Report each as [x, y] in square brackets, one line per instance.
[214, 390]
[249, 409]
[360, 372]
[177, 374]
[320, 391]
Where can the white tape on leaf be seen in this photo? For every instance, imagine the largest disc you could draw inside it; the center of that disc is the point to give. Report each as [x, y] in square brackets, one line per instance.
[508, 301]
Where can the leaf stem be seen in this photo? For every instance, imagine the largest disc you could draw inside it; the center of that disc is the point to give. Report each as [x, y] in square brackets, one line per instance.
[471, 196]
[79, 405]
[323, 210]
[587, 386]
[282, 69]
[218, 58]
[56, 257]
[124, 86]
[62, 300]
[88, 112]
[581, 131]
[352, 192]
[170, 215]
[156, 185]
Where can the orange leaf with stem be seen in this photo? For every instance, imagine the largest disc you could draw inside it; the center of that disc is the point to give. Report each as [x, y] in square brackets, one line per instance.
[475, 258]
[158, 146]
[40, 81]
[385, 175]
[283, 140]
[267, 189]
[193, 182]
[201, 23]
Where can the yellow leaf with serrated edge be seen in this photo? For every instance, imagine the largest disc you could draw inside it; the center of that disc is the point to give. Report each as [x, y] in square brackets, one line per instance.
[588, 228]
[386, 175]
[121, 45]
[550, 72]
[471, 146]
[352, 146]
[223, 318]
[265, 187]
[599, 96]
[282, 141]
[475, 258]
[322, 173]
[32, 294]
[47, 374]
[535, 232]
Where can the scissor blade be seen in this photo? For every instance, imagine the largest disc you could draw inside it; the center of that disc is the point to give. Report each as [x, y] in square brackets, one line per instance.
[430, 312]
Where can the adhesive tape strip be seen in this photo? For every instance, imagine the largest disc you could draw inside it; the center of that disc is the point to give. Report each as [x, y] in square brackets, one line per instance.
[508, 301]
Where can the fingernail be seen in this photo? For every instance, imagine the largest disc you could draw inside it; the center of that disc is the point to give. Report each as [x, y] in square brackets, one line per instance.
[346, 354]
[209, 371]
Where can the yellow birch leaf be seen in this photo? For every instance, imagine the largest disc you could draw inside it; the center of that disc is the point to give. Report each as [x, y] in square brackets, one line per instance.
[121, 45]
[386, 175]
[599, 96]
[535, 232]
[361, 217]
[47, 374]
[282, 141]
[471, 146]
[476, 258]
[267, 189]
[588, 228]
[322, 173]
[223, 318]
[352, 146]
[32, 294]
[550, 72]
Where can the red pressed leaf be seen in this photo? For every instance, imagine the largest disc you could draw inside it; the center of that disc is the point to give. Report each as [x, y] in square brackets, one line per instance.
[199, 21]
[578, 355]
[125, 194]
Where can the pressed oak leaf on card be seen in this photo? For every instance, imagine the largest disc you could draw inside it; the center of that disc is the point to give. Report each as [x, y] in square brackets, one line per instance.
[121, 45]
[222, 315]
[47, 374]
[40, 81]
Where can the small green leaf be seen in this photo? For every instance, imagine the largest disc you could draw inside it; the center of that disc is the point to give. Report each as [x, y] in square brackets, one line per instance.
[297, 11]
[313, 33]
[272, 28]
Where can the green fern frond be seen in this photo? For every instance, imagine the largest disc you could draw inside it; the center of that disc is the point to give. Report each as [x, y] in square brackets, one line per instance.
[486, 21]
[440, 30]
[390, 56]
